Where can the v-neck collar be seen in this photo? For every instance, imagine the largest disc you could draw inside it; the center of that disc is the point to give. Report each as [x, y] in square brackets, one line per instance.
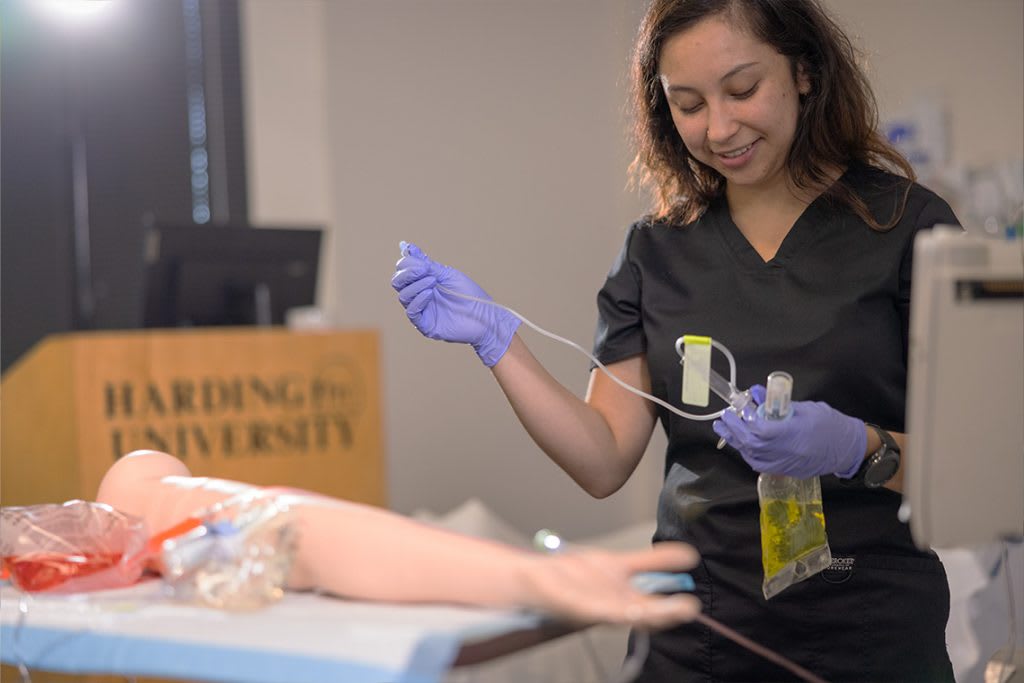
[803, 229]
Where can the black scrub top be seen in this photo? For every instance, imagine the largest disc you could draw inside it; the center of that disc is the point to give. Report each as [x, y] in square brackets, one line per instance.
[831, 308]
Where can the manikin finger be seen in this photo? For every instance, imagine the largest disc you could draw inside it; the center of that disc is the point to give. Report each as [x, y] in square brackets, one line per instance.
[661, 612]
[662, 557]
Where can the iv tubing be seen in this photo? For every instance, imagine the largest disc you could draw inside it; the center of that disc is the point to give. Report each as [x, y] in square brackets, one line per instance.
[567, 342]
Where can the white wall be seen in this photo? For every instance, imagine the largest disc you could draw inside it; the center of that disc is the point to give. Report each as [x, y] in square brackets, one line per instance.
[491, 133]
[964, 54]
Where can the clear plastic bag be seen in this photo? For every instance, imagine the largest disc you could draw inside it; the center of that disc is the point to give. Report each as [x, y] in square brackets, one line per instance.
[793, 541]
[237, 558]
[71, 547]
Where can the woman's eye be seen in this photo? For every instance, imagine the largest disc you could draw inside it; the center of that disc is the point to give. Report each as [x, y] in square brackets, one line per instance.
[746, 93]
[692, 109]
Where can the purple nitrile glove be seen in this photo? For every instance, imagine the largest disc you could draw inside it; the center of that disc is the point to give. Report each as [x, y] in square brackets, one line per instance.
[439, 314]
[814, 440]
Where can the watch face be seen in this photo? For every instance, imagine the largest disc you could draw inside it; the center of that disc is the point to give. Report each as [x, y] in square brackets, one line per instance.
[882, 470]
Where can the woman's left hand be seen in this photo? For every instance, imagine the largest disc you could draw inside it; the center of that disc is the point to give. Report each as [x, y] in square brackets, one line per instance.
[813, 440]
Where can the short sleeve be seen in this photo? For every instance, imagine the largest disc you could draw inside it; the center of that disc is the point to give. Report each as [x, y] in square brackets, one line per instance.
[935, 211]
[620, 332]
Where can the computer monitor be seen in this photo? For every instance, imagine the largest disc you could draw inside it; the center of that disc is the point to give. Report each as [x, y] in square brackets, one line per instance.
[212, 275]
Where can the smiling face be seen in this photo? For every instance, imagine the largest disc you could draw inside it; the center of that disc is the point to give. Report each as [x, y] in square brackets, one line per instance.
[734, 102]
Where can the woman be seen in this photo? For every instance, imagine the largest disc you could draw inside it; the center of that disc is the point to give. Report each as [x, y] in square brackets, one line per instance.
[358, 551]
[778, 231]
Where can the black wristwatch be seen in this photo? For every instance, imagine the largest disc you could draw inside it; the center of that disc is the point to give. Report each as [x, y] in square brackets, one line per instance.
[882, 465]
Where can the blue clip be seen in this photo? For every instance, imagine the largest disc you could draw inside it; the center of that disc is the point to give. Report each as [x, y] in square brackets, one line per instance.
[663, 582]
[222, 528]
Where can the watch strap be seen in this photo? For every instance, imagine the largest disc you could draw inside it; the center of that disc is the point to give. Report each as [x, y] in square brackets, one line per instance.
[881, 466]
[886, 438]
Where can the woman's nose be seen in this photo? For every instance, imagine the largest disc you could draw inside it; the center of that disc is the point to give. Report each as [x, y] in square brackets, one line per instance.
[722, 124]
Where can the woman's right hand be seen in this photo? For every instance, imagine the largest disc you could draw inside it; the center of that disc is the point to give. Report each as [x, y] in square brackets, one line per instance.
[433, 296]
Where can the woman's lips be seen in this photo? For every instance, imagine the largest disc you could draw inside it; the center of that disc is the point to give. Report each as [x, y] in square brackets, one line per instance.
[737, 157]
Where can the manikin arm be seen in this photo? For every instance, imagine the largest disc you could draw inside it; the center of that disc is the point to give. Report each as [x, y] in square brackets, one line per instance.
[363, 552]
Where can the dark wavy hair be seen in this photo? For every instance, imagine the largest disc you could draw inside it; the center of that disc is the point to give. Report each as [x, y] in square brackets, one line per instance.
[838, 118]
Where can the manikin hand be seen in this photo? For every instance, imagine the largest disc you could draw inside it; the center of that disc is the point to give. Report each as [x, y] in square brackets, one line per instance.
[588, 585]
[813, 440]
[439, 314]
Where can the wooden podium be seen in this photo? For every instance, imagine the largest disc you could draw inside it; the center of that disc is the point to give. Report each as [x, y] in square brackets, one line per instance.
[263, 405]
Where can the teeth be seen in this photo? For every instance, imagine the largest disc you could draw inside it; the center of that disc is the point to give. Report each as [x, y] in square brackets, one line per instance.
[733, 155]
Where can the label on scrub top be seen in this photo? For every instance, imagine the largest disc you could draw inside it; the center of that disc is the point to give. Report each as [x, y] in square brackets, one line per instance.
[696, 370]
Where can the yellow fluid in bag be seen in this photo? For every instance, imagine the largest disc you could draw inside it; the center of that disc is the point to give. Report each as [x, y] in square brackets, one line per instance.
[790, 529]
